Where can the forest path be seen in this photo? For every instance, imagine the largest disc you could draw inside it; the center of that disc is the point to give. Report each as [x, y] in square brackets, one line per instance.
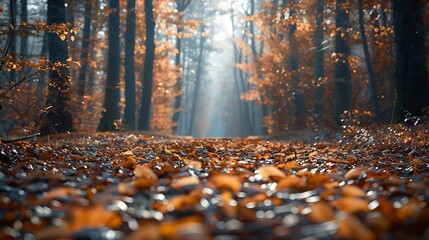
[368, 185]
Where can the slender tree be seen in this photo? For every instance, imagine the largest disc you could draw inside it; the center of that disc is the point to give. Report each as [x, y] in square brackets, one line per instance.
[58, 117]
[294, 65]
[368, 61]
[181, 6]
[199, 72]
[12, 22]
[343, 86]
[145, 111]
[84, 53]
[24, 37]
[411, 76]
[130, 78]
[319, 60]
[110, 115]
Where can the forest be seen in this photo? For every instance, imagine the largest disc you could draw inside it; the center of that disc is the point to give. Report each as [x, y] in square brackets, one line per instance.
[214, 119]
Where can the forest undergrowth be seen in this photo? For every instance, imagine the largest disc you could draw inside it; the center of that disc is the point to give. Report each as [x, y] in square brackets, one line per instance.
[356, 184]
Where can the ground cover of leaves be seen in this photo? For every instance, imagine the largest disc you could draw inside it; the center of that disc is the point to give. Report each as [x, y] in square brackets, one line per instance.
[362, 184]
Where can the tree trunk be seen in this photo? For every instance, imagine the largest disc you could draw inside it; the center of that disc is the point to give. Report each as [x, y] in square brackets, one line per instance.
[81, 81]
[412, 87]
[130, 78]
[110, 115]
[181, 7]
[294, 68]
[343, 86]
[145, 111]
[12, 27]
[368, 60]
[24, 37]
[319, 61]
[58, 117]
[197, 80]
[239, 83]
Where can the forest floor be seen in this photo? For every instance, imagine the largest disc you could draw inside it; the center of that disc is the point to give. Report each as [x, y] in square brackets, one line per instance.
[358, 184]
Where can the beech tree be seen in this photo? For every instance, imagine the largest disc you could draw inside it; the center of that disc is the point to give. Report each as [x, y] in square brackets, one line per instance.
[145, 110]
[343, 85]
[130, 78]
[411, 75]
[110, 114]
[58, 117]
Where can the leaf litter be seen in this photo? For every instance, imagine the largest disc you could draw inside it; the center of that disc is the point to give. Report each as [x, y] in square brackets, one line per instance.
[367, 184]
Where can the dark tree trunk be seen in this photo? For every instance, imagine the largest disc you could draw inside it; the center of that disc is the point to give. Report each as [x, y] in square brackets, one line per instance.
[58, 117]
[110, 115]
[145, 111]
[343, 86]
[12, 21]
[84, 54]
[181, 7]
[294, 67]
[411, 76]
[24, 37]
[130, 77]
[41, 84]
[319, 61]
[368, 60]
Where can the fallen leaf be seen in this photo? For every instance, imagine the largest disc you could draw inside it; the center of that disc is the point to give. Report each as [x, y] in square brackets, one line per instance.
[350, 227]
[224, 181]
[355, 172]
[321, 212]
[352, 191]
[269, 173]
[185, 181]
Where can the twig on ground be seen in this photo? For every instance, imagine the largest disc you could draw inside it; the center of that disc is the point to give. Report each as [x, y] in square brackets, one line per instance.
[11, 140]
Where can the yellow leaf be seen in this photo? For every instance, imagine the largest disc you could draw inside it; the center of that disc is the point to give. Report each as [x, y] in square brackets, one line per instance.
[72, 38]
[62, 37]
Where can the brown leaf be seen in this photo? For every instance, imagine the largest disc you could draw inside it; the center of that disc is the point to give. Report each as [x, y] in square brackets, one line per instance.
[225, 181]
[142, 171]
[321, 212]
[129, 163]
[185, 181]
[60, 192]
[93, 217]
[126, 189]
[196, 164]
[350, 227]
[355, 172]
[270, 172]
[351, 204]
[353, 191]
[290, 182]
[229, 205]
[150, 231]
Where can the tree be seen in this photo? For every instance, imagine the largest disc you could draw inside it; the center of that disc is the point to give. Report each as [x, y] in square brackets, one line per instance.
[110, 115]
[411, 76]
[24, 37]
[84, 53]
[343, 86]
[130, 79]
[294, 65]
[12, 10]
[368, 61]
[181, 6]
[145, 111]
[199, 72]
[319, 60]
[58, 117]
